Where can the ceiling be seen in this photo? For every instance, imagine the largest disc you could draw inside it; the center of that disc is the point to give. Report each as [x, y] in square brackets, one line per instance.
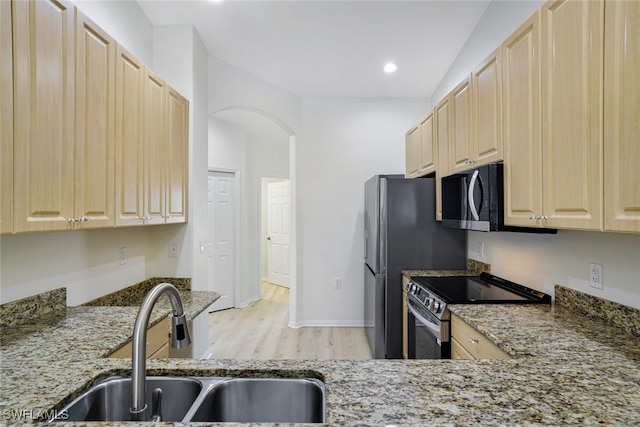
[331, 48]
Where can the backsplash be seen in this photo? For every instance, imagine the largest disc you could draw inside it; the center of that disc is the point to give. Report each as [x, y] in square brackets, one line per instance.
[134, 294]
[618, 315]
[51, 304]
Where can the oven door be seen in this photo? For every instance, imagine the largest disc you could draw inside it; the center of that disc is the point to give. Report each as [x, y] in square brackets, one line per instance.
[428, 336]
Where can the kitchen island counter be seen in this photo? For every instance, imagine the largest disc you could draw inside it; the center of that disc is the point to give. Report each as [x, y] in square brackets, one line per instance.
[569, 369]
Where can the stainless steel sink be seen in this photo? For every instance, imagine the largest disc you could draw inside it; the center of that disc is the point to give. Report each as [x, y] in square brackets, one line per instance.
[110, 399]
[263, 400]
[207, 399]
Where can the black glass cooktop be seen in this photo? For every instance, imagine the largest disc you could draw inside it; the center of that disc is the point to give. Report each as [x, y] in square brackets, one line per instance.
[480, 289]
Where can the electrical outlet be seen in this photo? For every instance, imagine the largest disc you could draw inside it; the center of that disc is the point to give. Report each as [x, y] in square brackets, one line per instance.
[596, 280]
[123, 255]
[481, 249]
[173, 250]
[337, 283]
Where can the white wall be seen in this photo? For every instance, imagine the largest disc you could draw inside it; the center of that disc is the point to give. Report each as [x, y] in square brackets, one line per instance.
[343, 143]
[182, 60]
[499, 20]
[230, 87]
[541, 261]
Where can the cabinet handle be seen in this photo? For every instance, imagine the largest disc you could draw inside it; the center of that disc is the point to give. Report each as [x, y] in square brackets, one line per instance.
[473, 341]
[84, 219]
[532, 217]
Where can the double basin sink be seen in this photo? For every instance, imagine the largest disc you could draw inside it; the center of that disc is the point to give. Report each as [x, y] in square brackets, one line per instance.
[207, 399]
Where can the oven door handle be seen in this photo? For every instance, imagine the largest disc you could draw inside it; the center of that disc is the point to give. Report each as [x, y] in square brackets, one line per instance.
[433, 327]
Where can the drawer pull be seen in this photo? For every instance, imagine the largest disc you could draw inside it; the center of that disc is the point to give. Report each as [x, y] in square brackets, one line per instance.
[473, 341]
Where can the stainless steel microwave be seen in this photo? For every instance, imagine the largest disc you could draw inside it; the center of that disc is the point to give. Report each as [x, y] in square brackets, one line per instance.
[474, 200]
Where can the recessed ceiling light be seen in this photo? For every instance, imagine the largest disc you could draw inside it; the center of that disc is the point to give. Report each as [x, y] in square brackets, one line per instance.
[390, 67]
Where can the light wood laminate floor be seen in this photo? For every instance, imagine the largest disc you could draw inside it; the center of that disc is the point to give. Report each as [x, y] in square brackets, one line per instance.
[260, 331]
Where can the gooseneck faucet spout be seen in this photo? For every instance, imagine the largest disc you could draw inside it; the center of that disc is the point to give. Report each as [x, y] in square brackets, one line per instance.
[180, 338]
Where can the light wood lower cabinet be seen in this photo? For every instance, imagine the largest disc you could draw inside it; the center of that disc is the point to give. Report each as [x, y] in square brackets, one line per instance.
[468, 343]
[157, 343]
[621, 115]
[6, 119]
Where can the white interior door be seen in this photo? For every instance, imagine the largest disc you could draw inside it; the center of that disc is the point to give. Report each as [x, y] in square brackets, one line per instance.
[279, 231]
[221, 237]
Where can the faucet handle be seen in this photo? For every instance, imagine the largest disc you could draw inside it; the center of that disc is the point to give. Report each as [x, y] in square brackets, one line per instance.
[156, 405]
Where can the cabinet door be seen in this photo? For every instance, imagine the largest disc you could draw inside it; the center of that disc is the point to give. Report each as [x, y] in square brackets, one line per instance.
[412, 152]
[521, 109]
[177, 156]
[44, 110]
[154, 147]
[460, 152]
[129, 179]
[621, 114]
[6, 119]
[94, 121]
[441, 140]
[427, 149]
[571, 64]
[486, 86]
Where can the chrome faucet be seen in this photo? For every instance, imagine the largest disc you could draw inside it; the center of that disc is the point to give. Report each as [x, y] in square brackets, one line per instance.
[180, 338]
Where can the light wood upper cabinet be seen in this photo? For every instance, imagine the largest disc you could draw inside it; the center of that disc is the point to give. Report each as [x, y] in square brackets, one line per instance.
[571, 64]
[486, 89]
[44, 80]
[155, 131]
[6, 119]
[460, 148]
[177, 185]
[412, 152]
[441, 141]
[94, 123]
[621, 116]
[129, 99]
[521, 124]
[427, 148]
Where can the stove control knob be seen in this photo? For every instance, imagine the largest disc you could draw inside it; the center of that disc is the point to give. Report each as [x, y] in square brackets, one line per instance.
[429, 302]
[411, 288]
[436, 306]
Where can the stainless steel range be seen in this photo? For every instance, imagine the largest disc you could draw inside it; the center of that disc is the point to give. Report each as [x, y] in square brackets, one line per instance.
[429, 319]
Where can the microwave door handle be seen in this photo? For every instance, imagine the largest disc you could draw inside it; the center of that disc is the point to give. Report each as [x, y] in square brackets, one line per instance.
[434, 328]
[472, 202]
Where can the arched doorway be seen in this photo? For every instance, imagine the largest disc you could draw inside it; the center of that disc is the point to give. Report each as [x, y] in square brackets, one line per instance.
[253, 144]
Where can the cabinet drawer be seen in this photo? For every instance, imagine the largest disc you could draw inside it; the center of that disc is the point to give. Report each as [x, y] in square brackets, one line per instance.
[475, 343]
[157, 336]
[458, 351]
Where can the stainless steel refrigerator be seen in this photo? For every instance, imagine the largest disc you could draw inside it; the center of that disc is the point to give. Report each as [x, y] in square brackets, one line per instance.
[401, 233]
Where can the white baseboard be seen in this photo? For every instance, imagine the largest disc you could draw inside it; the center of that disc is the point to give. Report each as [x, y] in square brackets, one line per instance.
[247, 302]
[327, 324]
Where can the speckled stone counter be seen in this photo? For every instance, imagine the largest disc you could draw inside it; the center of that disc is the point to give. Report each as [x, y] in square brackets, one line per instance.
[569, 370]
[474, 268]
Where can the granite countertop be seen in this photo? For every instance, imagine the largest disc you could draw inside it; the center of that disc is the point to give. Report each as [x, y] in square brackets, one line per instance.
[568, 369]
